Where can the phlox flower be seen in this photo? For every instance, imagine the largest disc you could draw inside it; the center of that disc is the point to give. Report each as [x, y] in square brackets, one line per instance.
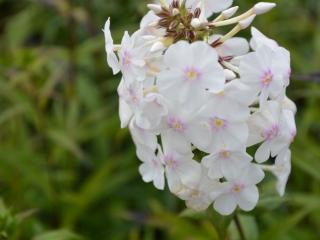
[191, 68]
[131, 58]
[198, 198]
[283, 63]
[148, 109]
[226, 119]
[261, 70]
[183, 126]
[275, 128]
[180, 169]
[239, 190]
[152, 167]
[226, 162]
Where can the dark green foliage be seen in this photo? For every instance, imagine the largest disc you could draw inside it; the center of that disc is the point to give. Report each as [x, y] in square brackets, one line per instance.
[67, 170]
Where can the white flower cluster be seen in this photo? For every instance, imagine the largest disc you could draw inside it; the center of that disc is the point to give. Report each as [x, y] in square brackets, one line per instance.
[196, 101]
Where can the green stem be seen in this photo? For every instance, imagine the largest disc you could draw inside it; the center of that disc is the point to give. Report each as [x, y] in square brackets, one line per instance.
[239, 227]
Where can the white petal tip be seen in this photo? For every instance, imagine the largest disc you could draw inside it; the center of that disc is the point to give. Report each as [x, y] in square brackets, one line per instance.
[153, 24]
[230, 75]
[148, 37]
[247, 22]
[155, 8]
[157, 47]
[230, 12]
[263, 7]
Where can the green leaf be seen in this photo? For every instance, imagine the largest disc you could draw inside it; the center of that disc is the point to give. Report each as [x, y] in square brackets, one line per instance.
[58, 235]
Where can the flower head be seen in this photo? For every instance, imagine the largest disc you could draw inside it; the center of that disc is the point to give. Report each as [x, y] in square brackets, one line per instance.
[197, 103]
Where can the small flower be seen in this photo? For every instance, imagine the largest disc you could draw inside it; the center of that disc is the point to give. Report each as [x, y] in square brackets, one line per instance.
[183, 126]
[132, 63]
[152, 169]
[227, 120]
[262, 71]
[240, 190]
[226, 163]
[274, 127]
[191, 68]
[198, 198]
[181, 170]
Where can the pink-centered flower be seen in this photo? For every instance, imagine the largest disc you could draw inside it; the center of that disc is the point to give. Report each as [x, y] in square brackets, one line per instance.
[192, 69]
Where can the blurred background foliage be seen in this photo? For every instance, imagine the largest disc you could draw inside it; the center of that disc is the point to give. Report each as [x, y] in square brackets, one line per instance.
[67, 170]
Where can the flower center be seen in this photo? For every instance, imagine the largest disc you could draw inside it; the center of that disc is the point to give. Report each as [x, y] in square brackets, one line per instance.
[192, 74]
[272, 133]
[218, 123]
[267, 78]
[170, 162]
[225, 154]
[195, 193]
[221, 94]
[237, 188]
[176, 124]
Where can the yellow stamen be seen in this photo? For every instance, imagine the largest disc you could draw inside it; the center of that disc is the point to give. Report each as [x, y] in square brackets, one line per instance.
[218, 122]
[237, 189]
[192, 75]
[267, 80]
[221, 94]
[152, 89]
[195, 193]
[225, 154]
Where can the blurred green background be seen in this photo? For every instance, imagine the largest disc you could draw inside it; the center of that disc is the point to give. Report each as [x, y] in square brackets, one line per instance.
[67, 170]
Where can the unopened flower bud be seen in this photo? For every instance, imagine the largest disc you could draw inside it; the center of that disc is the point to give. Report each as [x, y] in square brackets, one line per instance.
[196, 23]
[229, 12]
[157, 47]
[155, 8]
[247, 22]
[289, 104]
[175, 12]
[148, 37]
[229, 74]
[263, 7]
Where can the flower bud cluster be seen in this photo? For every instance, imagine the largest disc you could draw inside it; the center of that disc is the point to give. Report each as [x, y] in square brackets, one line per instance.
[195, 102]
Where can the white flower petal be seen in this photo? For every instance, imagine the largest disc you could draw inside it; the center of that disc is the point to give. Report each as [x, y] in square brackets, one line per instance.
[225, 204]
[248, 198]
